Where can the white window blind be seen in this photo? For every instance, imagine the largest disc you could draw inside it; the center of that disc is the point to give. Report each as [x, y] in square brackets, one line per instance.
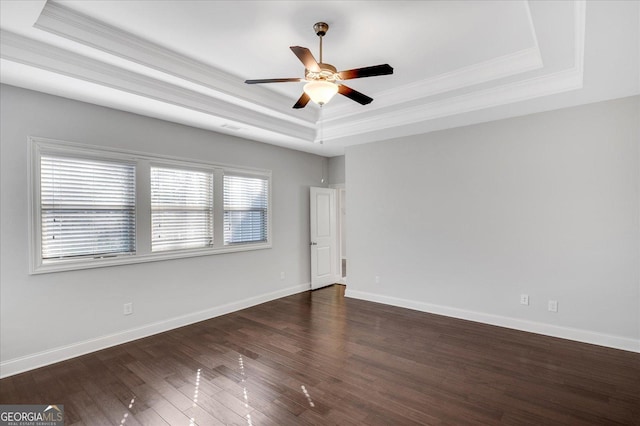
[246, 202]
[87, 207]
[94, 206]
[181, 209]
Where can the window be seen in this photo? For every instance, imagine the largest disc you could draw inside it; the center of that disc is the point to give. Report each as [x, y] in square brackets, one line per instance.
[87, 208]
[92, 207]
[245, 209]
[181, 209]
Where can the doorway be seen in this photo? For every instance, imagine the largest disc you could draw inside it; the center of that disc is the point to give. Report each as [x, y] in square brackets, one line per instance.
[323, 237]
[328, 236]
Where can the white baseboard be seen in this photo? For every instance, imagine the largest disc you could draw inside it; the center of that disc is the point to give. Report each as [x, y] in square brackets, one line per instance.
[41, 359]
[617, 342]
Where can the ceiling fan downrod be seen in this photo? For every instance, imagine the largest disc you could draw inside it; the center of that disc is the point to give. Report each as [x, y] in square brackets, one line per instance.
[321, 29]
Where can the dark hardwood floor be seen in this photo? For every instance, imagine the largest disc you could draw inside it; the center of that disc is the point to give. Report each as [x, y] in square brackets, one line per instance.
[318, 358]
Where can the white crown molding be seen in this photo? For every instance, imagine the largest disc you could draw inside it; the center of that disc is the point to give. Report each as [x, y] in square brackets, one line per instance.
[504, 66]
[256, 107]
[65, 22]
[373, 120]
[518, 62]
[16, 48]
[579, 19]
[549, 84]
[72, 25]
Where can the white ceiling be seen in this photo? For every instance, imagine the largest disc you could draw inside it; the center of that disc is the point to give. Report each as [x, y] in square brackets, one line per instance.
[455, 62]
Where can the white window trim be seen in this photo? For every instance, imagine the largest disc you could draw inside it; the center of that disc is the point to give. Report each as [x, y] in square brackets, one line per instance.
[38, 145]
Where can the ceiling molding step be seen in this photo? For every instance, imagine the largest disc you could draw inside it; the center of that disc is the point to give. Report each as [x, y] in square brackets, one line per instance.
[579, 19]
[157, 73]
[545, 85]
[532, 26]
[75, 26]
[550, 84]
[16, 48]
[515, 63]
[504, 66]
[494, 69]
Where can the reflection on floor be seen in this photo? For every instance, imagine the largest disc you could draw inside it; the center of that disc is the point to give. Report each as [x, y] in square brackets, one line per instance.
[317, 358]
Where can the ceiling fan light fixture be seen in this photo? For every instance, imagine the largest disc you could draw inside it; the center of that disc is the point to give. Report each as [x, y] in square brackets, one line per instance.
[320, 91]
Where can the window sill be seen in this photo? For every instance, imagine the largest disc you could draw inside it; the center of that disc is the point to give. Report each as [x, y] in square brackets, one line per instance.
[71, 264]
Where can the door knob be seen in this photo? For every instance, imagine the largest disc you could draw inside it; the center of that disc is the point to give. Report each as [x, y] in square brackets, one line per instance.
[313, 243]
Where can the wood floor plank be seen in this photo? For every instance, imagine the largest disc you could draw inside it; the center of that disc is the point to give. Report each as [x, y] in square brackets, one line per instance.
[202, 417]
[87, 408]
[317, 358]
[170, 413]
[150, 417]
[219, 411]
[114, 410]
[168, 392]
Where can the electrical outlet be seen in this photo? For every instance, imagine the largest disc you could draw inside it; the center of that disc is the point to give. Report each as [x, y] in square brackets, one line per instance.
[524, 299]
[128, 308]
[282, 275]
[377, 279]
[553, 306]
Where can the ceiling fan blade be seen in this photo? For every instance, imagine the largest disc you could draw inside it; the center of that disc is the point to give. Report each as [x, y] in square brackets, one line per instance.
[303, 101]
[273, 80]
[373, 71]
[354, 95]
[306, 58]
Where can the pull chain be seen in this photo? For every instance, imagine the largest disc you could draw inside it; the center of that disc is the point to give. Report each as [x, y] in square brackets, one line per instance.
[321, 141]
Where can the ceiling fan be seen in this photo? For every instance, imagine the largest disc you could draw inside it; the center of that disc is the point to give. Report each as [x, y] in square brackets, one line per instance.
[323, 80]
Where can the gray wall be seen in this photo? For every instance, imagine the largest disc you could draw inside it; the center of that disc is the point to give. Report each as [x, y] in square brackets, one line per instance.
[42, 314]
[336, 170]
[461, 222]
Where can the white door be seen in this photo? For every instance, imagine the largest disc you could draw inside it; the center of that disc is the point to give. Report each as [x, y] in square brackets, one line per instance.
[323, 237]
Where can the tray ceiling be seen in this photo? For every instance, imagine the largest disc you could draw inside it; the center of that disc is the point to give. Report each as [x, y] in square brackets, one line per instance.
[456, 62]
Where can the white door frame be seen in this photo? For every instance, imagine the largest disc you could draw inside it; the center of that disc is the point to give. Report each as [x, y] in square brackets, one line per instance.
[340, 188]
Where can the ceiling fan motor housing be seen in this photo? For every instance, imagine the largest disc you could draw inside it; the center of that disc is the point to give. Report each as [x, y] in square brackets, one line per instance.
[327, 72]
